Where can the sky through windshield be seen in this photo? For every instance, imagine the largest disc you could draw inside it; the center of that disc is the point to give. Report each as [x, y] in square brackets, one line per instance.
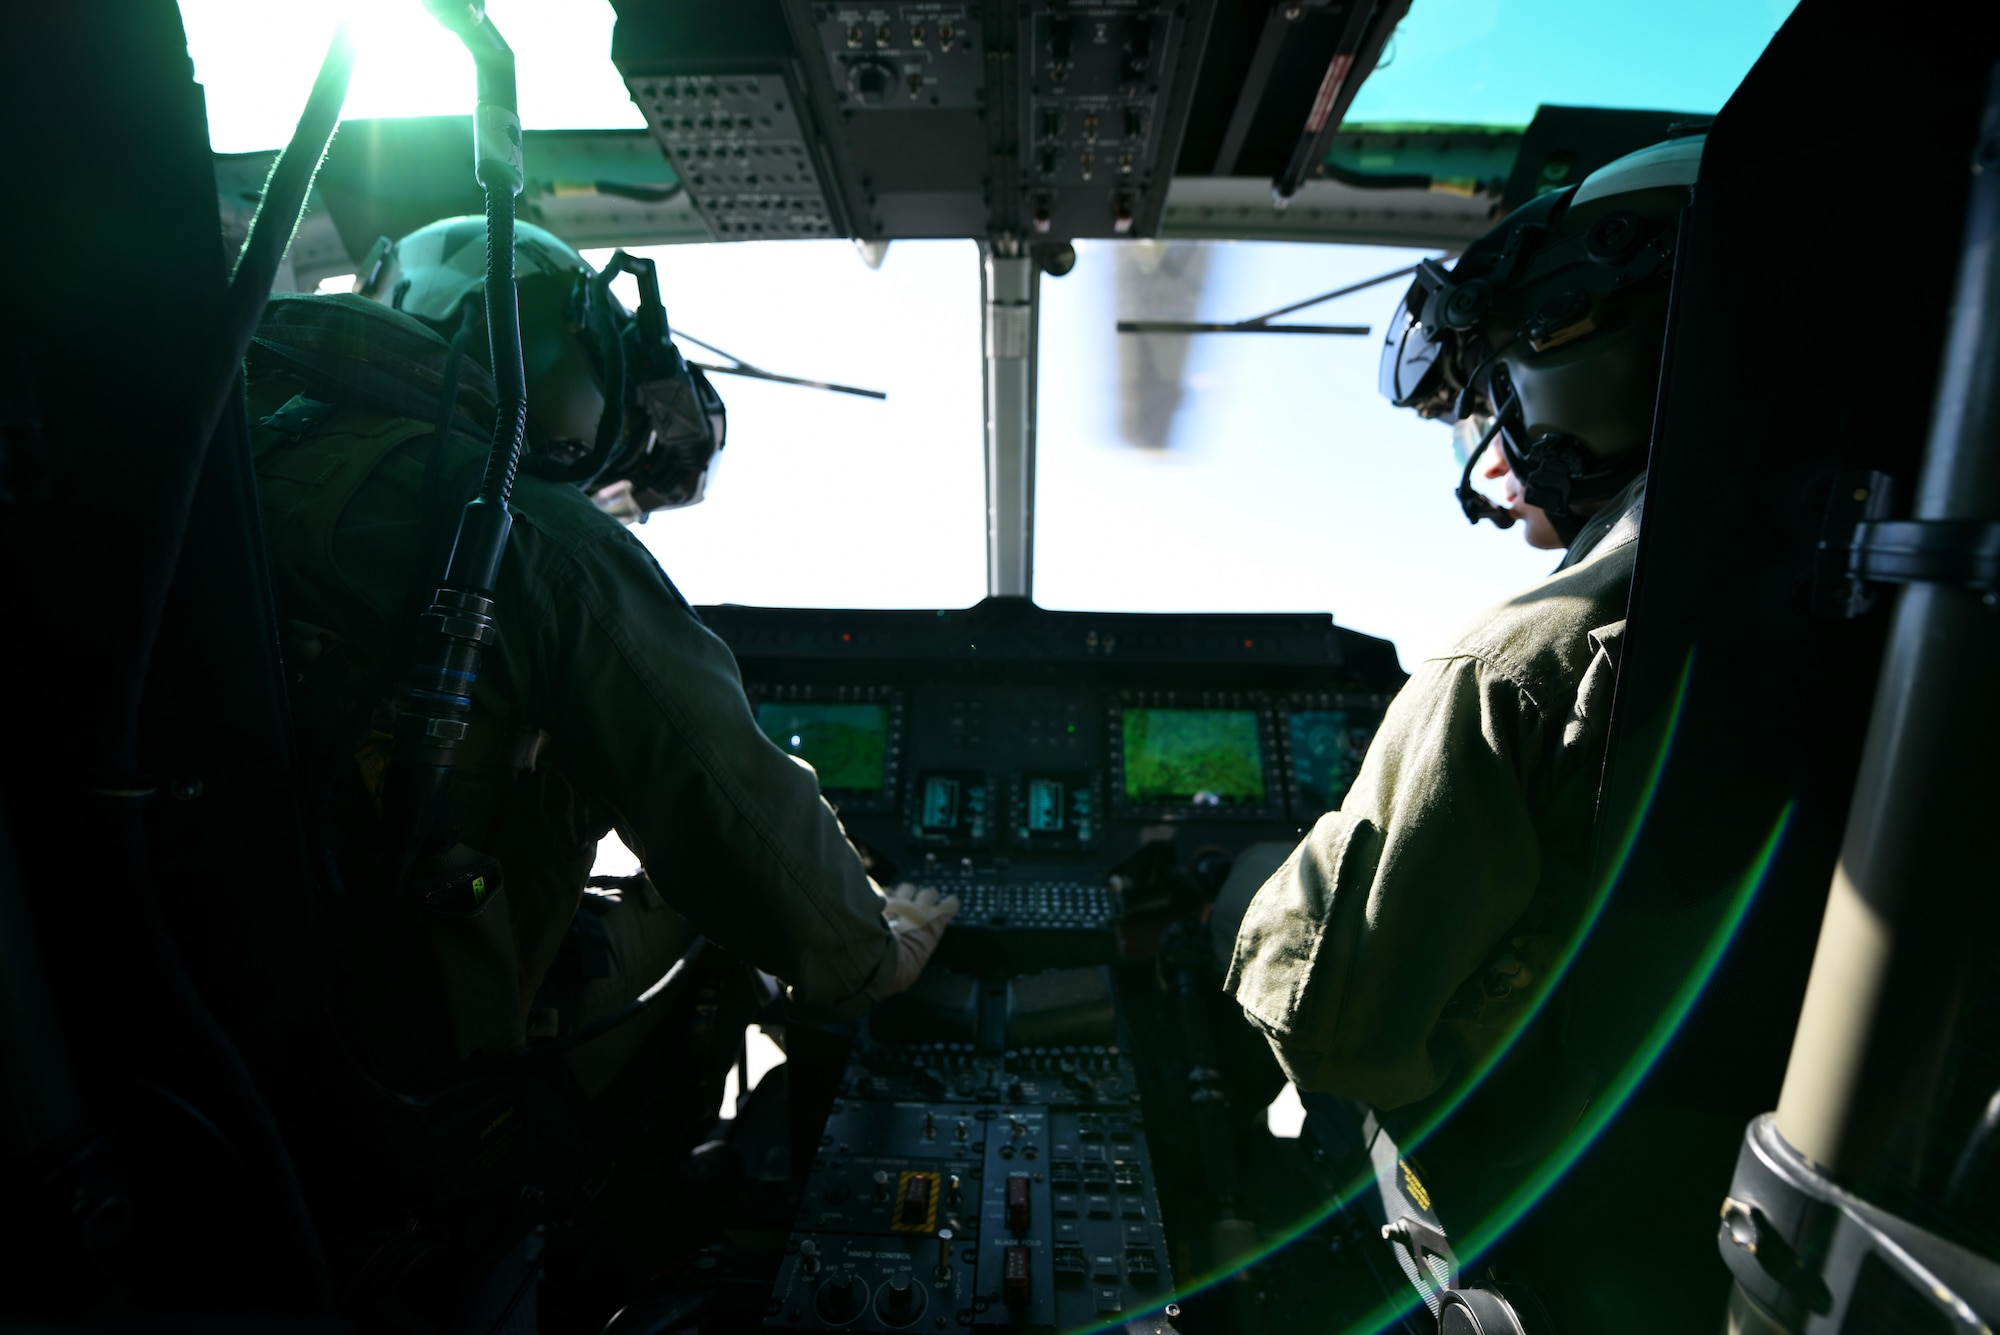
[1278, 479]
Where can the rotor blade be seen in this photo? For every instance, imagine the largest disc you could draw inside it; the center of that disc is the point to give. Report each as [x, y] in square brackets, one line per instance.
[1247, 327]
[754, 373]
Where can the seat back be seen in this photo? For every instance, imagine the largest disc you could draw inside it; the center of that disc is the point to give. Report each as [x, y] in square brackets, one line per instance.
[1803, 349]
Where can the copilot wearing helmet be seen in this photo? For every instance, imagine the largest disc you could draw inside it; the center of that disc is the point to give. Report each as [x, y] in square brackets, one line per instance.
[1413, 930]
[612, 405]
[602, 704]
[1542, 344]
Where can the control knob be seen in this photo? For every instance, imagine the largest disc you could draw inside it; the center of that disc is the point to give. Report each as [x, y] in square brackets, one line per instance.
[872, 81]
[840, 1299]
[900, 1301]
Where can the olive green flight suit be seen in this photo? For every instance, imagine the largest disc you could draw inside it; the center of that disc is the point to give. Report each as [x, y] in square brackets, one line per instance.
[1411, 929]
[604, 702]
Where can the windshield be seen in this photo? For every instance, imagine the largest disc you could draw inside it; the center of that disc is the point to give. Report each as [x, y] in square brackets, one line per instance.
[825, 499]
[1175, 472]
[1492, 62]
[1248, 472]
[1221, 472]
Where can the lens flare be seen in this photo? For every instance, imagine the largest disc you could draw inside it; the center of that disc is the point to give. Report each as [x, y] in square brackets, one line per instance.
[1469, 1242]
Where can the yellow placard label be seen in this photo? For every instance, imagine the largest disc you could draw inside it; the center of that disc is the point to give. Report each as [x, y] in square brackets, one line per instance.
[1412, 1187]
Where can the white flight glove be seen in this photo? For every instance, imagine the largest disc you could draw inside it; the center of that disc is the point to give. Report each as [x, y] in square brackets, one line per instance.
[918, 918]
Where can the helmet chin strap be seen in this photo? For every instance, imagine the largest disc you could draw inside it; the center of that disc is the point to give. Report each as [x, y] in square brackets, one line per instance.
[1555, 469]
[1557, 473]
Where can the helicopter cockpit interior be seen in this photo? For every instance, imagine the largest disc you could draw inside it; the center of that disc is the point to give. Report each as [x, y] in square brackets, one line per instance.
[1054, 435]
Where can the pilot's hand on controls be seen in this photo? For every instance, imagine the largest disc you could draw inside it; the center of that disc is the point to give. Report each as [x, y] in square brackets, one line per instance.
[918, 917]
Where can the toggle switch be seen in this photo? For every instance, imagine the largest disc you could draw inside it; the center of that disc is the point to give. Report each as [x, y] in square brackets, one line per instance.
[915, 1210]
[1062, 39]
[1016, 1286]
[1018, 1213]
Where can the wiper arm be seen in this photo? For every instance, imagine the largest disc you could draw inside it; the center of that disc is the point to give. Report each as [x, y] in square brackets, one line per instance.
[749, 371]
[1261, 324]
[754, 373]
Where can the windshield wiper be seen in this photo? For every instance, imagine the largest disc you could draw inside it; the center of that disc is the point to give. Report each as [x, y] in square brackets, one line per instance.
[743, 368]
[1261, 324]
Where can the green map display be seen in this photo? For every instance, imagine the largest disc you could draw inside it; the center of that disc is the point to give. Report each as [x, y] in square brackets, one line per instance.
[1193, 757]
[848, 745]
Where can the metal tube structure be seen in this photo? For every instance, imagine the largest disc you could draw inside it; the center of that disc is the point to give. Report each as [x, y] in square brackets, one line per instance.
[1010, 294]
[1905, 908]
[1831, 1212]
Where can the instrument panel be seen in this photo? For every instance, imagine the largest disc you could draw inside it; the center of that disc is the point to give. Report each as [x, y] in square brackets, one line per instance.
[1011, 741]
[1033, 771]
[990, 1158]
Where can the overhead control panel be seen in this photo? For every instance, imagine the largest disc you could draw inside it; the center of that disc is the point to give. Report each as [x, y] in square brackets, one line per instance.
[723, 93]
[918, 118]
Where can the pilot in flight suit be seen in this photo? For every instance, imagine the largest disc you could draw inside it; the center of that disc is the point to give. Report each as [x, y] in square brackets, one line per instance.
[1413, 928]
[604, 703]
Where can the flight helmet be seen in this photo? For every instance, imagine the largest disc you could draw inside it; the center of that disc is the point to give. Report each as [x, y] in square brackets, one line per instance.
[1545, 337]
[613, 407]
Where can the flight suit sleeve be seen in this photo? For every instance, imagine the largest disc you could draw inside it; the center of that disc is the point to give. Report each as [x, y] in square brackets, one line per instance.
[1349, 957]
[648, 712]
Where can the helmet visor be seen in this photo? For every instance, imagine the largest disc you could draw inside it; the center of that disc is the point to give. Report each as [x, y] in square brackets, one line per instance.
[1409, 369]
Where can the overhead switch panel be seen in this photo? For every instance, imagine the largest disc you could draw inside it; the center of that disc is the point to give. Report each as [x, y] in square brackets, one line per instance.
[978, 118]
[723, 93]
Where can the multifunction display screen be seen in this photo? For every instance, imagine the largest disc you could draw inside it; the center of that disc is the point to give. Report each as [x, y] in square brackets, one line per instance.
[1193, 757]
[1327, 746]
[1047, 812]
[1055, 810]
[846, 744]
[952, 807]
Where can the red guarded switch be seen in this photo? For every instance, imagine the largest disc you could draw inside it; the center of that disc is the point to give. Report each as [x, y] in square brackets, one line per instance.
[916, 1203]
[1017, 1203]
[1015, 1288]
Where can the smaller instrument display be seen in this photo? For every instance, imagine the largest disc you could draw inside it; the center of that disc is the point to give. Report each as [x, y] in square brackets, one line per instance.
[1055, 811]
[951, 809]
[1326, 753]
[1326, 738]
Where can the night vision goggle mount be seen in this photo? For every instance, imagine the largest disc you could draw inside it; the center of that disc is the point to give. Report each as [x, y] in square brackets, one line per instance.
[650, 391]
[1525, 283]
